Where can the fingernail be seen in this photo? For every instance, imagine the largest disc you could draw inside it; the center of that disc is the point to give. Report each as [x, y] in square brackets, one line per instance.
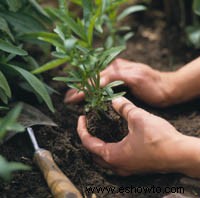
[102, 82]
[118, 99]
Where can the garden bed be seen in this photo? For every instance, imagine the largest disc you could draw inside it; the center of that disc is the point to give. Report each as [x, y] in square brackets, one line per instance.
[153, 44]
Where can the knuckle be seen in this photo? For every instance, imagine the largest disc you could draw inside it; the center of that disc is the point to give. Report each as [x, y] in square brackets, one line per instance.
[134, 114]
[137, 116]
[118, 60]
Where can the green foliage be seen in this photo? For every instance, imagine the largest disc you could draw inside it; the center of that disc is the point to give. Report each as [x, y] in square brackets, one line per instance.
[112, 18]
[73, 41]
[16, 19]
[193, 30]
[9, 123]
[6, 168]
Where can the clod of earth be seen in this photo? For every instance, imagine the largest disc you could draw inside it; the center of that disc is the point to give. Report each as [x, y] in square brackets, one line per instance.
[108, 126]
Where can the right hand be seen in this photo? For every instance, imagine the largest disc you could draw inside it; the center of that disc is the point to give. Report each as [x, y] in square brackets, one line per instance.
[148, 147]
[151, 86]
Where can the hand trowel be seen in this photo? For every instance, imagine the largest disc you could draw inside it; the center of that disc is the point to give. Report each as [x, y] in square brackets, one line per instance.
[59, 184]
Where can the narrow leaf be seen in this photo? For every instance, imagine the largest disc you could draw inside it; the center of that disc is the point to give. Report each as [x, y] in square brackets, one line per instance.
[36, 84]
[4, 84]
[9, 120]
[196, 7]
[14, 5]
[4, 27]
[6, 168]
[115, 84]
[3, 96]
[50, 65]
[130, 10]
[38, 7]
[10, 48]
[67, 79]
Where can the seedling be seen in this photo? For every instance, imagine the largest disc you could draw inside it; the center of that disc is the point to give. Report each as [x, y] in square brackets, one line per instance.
[73, 41]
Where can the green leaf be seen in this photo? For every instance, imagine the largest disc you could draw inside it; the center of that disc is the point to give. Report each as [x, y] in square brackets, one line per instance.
[128, 36]
[87, 10]
[3, 108]
[63, 5]
[4, 27]
[51, 38]
[67, 79]
[3, 96]
[70, 22]
[59, 54]
[36, 84]
[107, 56]
[130, 10]
[4, 85]
[115, 96]
[22, 23]
[6, 168]
[50, 65]
[14, 5]
[10, 48]
[196, 7]
[9, 120]
[38, 7]
[193, 35]
[115, 84]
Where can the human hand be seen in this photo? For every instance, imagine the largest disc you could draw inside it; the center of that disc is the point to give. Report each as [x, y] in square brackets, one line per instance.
[153, 87]
[148, 147]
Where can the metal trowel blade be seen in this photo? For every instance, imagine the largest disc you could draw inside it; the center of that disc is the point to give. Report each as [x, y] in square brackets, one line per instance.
[30, 116]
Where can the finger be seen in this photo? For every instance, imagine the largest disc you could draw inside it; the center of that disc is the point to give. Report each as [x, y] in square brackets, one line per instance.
[93, 144]
[73, 96]
[107, 151]
[123, 106]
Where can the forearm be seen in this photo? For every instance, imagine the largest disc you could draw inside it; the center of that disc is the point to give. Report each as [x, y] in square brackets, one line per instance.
[186, 82]
[186, 157]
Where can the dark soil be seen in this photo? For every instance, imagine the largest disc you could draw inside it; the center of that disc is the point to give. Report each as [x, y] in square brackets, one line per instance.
[108, 126]
[154, 44]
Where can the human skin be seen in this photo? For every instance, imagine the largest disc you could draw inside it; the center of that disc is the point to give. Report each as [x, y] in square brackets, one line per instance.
[160, 89]
[152, 145]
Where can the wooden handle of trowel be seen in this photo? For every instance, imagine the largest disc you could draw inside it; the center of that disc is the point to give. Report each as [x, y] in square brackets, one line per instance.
[60, 185]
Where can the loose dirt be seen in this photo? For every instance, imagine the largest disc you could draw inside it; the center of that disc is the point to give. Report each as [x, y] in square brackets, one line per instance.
[154, 44]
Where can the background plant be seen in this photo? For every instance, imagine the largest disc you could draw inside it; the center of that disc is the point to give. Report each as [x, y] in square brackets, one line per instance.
[193, 30]
[9, 123]
[18, 17]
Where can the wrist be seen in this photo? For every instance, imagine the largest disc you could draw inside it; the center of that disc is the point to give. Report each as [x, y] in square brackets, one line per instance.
[179, 87]
[171, 88]
[184, 86]
[184, 156]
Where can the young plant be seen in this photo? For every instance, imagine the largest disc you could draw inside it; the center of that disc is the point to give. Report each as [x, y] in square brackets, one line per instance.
[73, 41]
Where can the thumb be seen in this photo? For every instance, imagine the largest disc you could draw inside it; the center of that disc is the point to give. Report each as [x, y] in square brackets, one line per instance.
[104, 81]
